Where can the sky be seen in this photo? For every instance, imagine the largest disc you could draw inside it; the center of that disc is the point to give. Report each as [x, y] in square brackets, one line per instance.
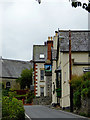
[25, 23]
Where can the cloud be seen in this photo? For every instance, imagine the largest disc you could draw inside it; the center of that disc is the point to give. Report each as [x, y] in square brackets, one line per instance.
[26, 23]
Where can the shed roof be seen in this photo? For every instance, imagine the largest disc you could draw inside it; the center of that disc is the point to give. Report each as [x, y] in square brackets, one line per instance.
[13, 68]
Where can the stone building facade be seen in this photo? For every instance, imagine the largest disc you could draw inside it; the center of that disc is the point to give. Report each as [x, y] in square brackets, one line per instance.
[42, 79]
[11, 70]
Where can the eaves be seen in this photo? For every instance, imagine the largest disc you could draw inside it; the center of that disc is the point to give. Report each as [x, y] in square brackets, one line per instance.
[81, 63]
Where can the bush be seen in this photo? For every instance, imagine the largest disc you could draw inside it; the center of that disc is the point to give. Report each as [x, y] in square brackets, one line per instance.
[30, 97]
[76, 99]
[5, 92]
[12, 109]
[81, 88]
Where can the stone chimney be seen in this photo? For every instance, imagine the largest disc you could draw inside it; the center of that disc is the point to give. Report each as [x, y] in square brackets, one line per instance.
[49, 44]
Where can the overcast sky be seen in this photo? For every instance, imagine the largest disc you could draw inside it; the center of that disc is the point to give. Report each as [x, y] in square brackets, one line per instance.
[25, 23]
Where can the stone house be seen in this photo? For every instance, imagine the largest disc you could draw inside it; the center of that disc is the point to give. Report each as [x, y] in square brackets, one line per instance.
[11, 70]
[80, 56]
[42, 69]
[39, 58]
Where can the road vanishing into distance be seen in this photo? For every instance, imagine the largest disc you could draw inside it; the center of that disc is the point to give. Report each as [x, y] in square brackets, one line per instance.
[39, 112]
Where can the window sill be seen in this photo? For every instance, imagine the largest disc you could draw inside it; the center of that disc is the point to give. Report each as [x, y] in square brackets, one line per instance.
[42, 81]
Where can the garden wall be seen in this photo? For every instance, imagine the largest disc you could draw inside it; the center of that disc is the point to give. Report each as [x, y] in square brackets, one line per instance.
[42, 100]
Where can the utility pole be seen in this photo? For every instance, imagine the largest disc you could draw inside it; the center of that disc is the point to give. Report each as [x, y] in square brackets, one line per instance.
[70, 74]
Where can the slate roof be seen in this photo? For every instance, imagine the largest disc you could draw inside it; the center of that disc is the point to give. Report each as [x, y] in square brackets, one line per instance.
[13, 68]
[79, 41]
[37, 50]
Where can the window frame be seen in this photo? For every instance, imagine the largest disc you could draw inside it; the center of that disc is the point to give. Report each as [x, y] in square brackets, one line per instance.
[42, 56]
[41, 75]
[41, 93]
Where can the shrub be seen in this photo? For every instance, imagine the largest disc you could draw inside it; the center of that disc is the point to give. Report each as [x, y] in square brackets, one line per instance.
[76, 99]
[30, 97]
[76, 82]
[5, 92]
[12, 109]
[81, 88]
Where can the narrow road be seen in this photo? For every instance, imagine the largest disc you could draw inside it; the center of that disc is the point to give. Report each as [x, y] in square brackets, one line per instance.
[39, 112]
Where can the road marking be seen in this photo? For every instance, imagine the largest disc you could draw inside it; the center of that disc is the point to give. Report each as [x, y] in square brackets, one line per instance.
[27, 116]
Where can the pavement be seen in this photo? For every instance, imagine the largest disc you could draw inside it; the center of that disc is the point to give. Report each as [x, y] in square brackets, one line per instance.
[39, 112]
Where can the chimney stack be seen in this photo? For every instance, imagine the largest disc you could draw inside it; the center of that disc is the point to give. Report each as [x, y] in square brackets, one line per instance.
[49, 44]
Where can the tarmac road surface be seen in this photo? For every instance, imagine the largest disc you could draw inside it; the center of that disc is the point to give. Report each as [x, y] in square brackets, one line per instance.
[39, 112]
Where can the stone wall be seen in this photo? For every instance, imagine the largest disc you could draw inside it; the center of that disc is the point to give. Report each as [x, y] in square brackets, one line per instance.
[42, 100]
[85, 107]
[49, 86]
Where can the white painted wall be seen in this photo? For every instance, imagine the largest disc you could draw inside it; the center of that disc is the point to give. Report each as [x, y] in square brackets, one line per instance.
[40, 82]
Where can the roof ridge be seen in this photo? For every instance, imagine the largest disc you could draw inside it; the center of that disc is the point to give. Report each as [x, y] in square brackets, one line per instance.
[14, 60]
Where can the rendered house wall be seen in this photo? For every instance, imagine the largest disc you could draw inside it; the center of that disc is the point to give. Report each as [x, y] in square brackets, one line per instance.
[80, 59]
[77, 69]
[54, 98]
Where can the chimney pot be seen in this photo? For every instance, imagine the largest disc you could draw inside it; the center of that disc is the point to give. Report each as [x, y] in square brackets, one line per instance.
[48, 38]
[51, 38]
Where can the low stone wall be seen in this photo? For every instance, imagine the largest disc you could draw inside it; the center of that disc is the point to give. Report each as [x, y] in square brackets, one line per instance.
[42, 100]
[85, 107]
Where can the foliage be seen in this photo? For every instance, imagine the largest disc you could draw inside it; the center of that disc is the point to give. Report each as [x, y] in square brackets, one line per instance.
[12, 109]
[5, 92]
[12, 94]
[79, 4]
[81, 88]
[25, 79]
[30, 97]
[76, 82]
[76, 100]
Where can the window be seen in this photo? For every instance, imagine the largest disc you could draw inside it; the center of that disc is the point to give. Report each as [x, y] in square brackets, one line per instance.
[86, 70]
[41, 56]
[42, 74]
[42, 91]
[8, 85]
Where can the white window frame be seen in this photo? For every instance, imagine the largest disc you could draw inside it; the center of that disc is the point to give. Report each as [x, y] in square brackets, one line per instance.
[42, 56]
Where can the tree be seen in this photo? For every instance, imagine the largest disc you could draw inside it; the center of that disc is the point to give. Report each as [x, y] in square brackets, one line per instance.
[79, 4]
[25, 79]
[76, 3]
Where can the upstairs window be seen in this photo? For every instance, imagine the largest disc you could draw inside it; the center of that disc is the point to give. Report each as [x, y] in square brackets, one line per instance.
[42, 56]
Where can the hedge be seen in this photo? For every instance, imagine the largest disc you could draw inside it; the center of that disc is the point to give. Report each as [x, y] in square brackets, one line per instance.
[81, 88]
[12, 109]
